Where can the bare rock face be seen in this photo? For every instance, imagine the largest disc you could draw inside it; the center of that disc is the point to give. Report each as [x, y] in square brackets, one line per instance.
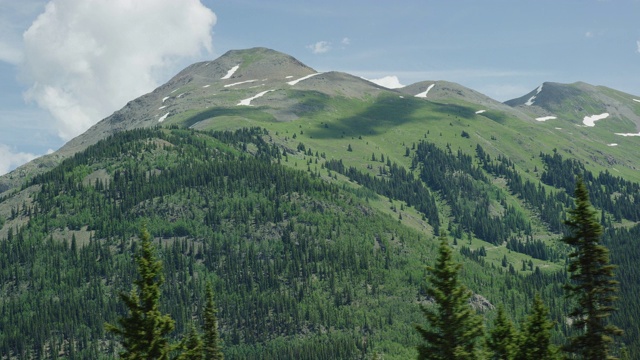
[480, 303]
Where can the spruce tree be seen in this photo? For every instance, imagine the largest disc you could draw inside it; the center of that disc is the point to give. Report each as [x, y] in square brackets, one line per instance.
[191, 346]
[536, 335]
[502, 343]
[591, 284]
[453, 325]
[144, 331]
[212, 348]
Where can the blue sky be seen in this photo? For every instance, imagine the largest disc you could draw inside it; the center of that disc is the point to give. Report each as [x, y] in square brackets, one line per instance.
[66, 64]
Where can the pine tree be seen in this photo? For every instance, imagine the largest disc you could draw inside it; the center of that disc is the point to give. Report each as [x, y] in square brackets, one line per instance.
[502, 342]
[144, 331]
[592, 282]
[453, 324]
[536, 335]
[191, 346]
[212, 348]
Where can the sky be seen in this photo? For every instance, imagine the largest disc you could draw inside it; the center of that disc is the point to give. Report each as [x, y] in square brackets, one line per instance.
[67, 64]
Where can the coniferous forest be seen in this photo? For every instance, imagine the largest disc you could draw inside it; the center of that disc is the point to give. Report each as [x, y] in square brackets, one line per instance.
[302, 263]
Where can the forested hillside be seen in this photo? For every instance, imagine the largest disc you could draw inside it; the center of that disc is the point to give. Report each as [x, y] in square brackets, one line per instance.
[320, 262]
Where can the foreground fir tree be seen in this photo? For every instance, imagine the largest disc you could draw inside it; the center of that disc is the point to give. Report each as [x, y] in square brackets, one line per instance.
[143, 333]
[212, 348]
[592, 283]
[453, 325]
[191, 346]
[502, 342]
[536, 335]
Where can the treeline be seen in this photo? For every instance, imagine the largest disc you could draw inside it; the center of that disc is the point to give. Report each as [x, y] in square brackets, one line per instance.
[398, 184]
[467, 190]
[611, 193]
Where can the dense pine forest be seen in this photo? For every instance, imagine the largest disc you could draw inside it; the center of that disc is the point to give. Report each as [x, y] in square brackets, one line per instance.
[302, 263]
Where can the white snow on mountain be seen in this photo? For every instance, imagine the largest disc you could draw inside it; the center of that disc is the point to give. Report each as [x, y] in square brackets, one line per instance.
[531, 99]
[545, 118]
[206, 86]
[302, 78]
[613, 144]
[165, 98]
[241, 82]
[247, 102]
[591, 120]
[628, 134]
[636, 100]
[230, 72]
[424, 93]
[480, 111]
[390, 82]
[163, 117]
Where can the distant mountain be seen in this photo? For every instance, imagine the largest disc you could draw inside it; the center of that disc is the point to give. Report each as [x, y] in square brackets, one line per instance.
[580, 102]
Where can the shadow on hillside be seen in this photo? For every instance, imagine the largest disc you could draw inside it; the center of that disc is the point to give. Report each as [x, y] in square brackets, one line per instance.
[253, 113]
[386, 113]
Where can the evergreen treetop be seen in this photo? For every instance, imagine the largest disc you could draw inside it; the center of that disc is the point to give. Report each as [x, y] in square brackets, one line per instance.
[144, 331]
[592, 283]
[453, 325]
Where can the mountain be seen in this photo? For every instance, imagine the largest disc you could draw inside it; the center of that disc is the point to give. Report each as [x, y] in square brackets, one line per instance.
[312, 201]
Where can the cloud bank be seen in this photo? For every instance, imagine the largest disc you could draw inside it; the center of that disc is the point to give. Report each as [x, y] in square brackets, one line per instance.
[86, 59]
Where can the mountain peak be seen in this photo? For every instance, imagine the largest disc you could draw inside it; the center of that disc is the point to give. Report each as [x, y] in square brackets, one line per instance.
[254, 63]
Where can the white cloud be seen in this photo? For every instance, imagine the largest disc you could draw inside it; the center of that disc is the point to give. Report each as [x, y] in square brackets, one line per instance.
[638, 46]
[346, 41]
[10, 53]
[9, 159]
[588, 34]
[320, 47]
[390, 82]
[88, 58]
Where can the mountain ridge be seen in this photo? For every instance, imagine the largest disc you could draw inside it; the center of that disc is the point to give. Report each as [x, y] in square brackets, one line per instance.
[265, 70]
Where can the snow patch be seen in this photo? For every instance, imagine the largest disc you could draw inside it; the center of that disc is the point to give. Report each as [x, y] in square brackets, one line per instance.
[241, 82]
[531, 99]
[163, 117]
[230, 72]
[289, 77]
[612, 144]
[179, 96]
[174, 91]
[545, 118]
[247, 102]
[401, 97]
[424, 93]
[481, 111]
[591, 120]
[636, 100]
[302, 78]
[628, 134]
[165, 98]
[162, 107]
[390, 82]
[206, 86]
[558, 128]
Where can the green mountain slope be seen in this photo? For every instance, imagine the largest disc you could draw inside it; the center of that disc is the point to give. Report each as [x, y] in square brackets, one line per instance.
[298, 263]
[316, 219]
